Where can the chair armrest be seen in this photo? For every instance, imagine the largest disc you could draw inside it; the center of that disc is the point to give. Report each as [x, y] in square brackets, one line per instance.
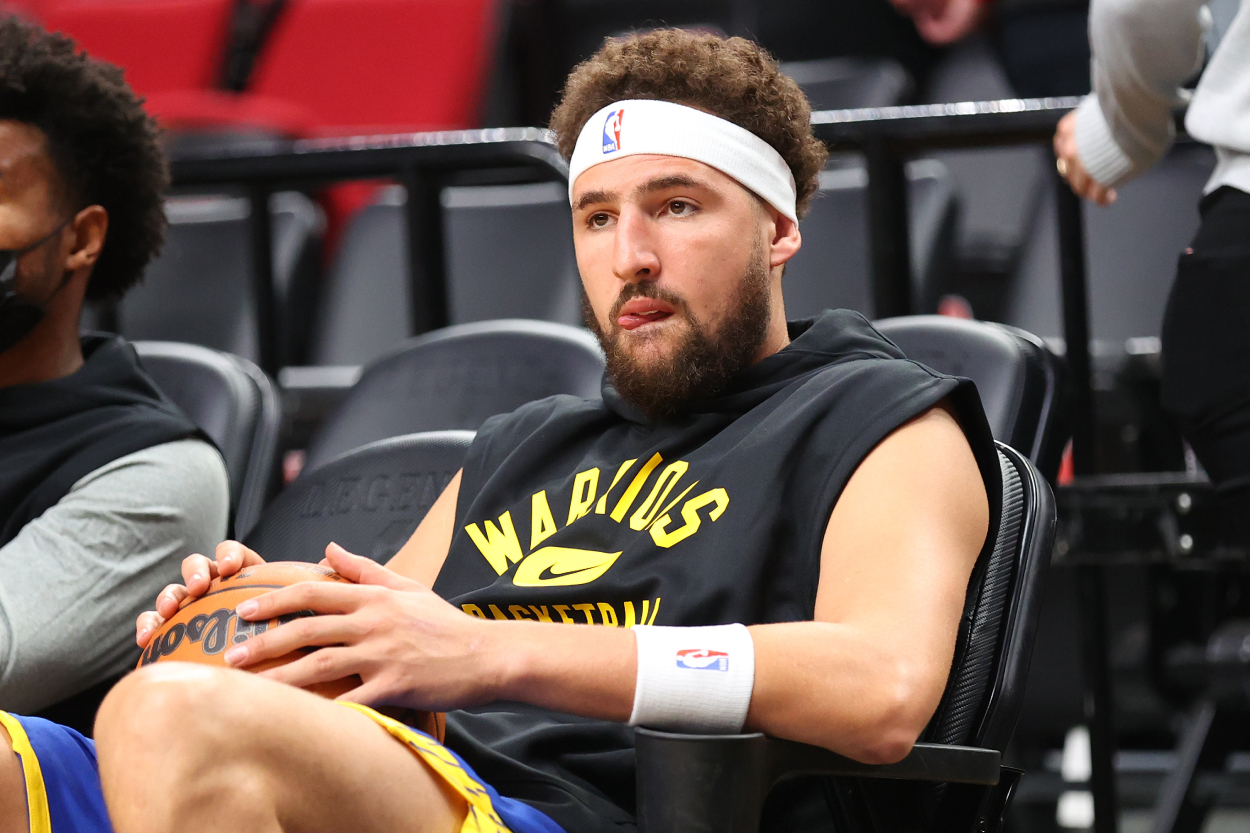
[717, 783]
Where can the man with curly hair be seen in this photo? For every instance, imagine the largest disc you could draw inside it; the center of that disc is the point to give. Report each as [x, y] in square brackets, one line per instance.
[104, 485]
[772, 524]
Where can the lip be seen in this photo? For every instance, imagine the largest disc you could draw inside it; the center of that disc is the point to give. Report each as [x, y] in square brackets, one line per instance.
[639, 312]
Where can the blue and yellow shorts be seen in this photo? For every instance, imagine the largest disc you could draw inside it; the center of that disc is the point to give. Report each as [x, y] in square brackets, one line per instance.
[63, 782]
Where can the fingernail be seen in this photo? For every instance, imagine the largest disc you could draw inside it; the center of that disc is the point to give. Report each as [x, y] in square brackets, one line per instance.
[235, 655]
[246, 608]
[144, 633]
[197, 577]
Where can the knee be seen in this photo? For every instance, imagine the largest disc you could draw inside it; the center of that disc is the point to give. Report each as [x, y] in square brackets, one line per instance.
[172, 706]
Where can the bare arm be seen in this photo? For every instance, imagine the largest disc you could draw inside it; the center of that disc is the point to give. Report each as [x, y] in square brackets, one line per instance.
[423, 556]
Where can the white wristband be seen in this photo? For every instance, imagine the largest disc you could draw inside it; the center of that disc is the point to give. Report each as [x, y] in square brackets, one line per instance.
[693, 679]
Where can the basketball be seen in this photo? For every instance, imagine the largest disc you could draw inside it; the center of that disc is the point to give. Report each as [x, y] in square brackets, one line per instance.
[204, 627]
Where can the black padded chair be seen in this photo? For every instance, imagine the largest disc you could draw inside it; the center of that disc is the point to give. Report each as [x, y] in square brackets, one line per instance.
[1019, 379]
[458, 377]
[368, 500]
[952, 780]
[236, 404]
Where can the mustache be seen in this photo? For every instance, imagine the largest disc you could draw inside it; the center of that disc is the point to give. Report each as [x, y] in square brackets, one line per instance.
[646, 289]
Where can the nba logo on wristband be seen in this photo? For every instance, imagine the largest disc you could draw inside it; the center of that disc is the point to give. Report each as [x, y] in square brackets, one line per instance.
[702, 659]
[612, 130]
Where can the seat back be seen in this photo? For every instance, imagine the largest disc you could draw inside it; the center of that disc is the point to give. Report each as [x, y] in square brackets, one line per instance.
[368, 500]
[380, 66]
[162, 44]
[458, 377]
[527, 271]
[833, 269]
[986, 686]
[235, 404]
[1017, 376]
[200, 289]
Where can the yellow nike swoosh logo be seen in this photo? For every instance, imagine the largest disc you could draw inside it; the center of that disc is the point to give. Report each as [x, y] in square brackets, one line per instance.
[562, 567]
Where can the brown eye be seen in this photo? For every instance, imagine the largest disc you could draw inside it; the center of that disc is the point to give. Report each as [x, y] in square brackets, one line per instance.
[679, 207]
[598, 220]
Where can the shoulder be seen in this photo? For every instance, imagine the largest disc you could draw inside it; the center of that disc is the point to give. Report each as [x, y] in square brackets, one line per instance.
[551, 417]
[187, 474]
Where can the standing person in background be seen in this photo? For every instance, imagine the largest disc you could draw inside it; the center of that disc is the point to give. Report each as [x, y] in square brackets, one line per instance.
[1143, 51]
[104, 485]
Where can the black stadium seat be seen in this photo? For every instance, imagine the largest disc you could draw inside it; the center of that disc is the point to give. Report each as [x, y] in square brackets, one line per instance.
[832, 269]
[850, 82]
[456, 378]
[1018, 378]
[528, 269]
[718, 783]
[368, 500]
[236, 404]
[199, 289]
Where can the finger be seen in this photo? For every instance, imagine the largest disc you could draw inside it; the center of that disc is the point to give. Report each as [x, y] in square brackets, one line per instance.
[317, 596]
[306, 632]
[146, 625]
[321, 666]
[233, 556]
[169, 599]
[367, 571]
[197, 572]
[369, 693]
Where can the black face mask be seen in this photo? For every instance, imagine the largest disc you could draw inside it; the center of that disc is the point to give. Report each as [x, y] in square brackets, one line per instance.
[19, 316]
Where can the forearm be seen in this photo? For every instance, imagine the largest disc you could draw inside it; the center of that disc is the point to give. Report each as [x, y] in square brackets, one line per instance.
[589, 671]
[1143, 50]
[815, 682]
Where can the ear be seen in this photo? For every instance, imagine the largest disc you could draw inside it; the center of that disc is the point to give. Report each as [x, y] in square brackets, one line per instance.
[88, 228]
[786, 239]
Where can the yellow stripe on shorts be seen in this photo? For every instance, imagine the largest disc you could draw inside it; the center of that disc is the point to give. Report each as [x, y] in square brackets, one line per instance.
[36, 795]
[482, 817]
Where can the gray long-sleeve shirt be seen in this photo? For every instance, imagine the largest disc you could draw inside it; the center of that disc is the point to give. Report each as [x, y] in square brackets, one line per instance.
[74, 579]
[1143, 51]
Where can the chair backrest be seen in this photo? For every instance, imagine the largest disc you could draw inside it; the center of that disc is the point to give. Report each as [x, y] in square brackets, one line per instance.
[235, 404]
[200, 288]
[368, 500]
[1018, 378]
[458, 377]
[986, 686]
[380, 66]
[833, 269]
[528, 270]
[162, 44]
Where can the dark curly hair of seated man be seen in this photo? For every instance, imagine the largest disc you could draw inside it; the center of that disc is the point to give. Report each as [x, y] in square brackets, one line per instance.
[104, 146]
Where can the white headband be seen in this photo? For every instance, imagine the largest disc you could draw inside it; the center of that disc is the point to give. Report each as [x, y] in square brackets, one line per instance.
[667, 129]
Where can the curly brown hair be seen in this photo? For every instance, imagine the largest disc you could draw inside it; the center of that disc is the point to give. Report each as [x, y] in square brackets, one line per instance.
[732, 78]
[104, 146]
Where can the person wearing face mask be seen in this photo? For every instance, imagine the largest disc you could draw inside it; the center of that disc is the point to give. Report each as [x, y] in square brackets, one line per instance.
[104, 485]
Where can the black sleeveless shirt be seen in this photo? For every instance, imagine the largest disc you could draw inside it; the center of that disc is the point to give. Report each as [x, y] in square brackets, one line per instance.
[578, 511]
[54, 433]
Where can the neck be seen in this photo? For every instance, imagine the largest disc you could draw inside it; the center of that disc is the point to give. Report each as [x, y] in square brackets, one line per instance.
[778, 334]
[51, 350]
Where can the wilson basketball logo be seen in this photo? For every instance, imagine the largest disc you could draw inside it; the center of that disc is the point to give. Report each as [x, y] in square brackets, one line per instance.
[702, 659]
[612, 131]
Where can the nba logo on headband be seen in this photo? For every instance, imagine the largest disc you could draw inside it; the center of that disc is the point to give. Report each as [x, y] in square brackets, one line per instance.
[612, 130]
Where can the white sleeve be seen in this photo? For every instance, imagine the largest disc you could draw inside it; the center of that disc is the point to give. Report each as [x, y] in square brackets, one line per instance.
[74, 579]
[1143, 50]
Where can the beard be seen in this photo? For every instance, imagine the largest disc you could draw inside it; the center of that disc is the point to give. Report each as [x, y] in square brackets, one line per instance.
[702, 360]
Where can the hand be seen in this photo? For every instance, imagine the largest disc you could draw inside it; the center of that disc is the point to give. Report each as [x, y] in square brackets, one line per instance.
[944, 21]
[197, 572]
[410, 647]
[1071, 168]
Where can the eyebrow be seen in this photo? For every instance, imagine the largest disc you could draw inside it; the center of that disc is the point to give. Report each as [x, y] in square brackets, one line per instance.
[650, 187]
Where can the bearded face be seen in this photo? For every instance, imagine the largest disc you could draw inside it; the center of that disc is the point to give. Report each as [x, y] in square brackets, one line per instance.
[661, 371]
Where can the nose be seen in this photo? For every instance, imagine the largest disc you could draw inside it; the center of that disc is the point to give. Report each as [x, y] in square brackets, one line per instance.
[634, 258]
